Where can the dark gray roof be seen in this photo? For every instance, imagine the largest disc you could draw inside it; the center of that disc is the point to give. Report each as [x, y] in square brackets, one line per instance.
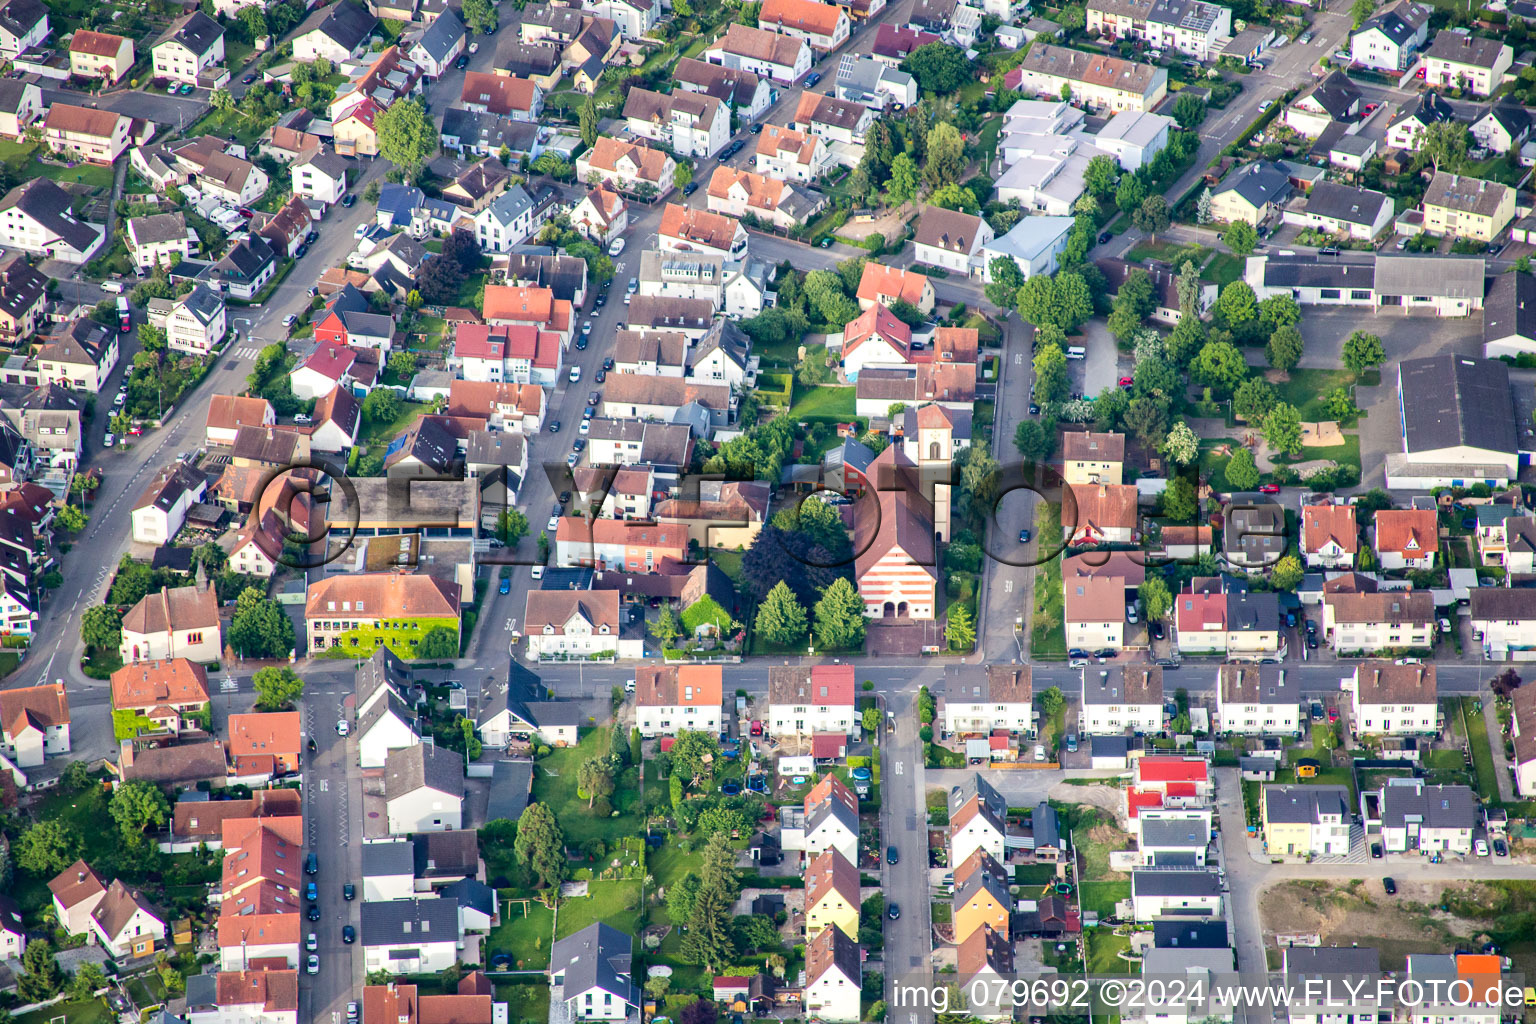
[599, 957]
[203, 303]
[1313, 272]
[452, 854]
[1510, 310]
[1514, 118]
[48, 204]
[346, 23]
[1458, 277]
[412, 768]
[246, 260]
[973, 785]
[472, 893]
[1044, 824]
[1455, 400]
[490, 131]
[1331, 960]
[396, 857]
[1298, 805]
[19, 17]
[1347, 204]
[1189, 833]
[1431, 109]
[1431, 806]
[442, 36]
[1174, 883]
[511, 784]
[12, 91]
[410, 923]
[1252, 611]
[197, 32]
[833, 809]
[159, 227]
[1503, 604]
[1337, 95]
[1190, 934]
[1260, 182]
[1463, 48]
[1398, 22]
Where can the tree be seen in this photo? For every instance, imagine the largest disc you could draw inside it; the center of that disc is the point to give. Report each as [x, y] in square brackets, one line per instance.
[1363, 350]
[700, 1011]
[960, 628]
[840, 616]
[902, 184]
[101, 628]
[277, 687]
[1240, 237]
[1242, 471]
[1284, 348]
[1181, 445]
[473, 748]
[939, 68]
[1282, 429]
[221, 100]
[1253, 398]
[954, 197]
[1360, 10]
[137, 805]
[1220, 366]
[1180, 503]
[681, 897]
[48, 847]
[587, 118]
[1148, 420]
[440, 642]
[70, 517]
[1203, 212]
[540, 845]
[781, 617]
[1100, 175]
[1279, 311]
[664, 627]
[1236, 305]
[1444, 144]
[1051, 382]
[1036, 439]
[1155, 598]
[1152, 216]
[1287, 573]
[259, 627]
[1130, 193]
[480, 18]
[89, 978]
[946, 155]
[682, 174]
[407, 137]
[1189, 111]
[869, 718]
[511, 526]
[1006, 280]
[1505, 684]
[1340, 404]
[41, 978]
[1052, 702]
[595, 778]
[381, 406]
[211, 557]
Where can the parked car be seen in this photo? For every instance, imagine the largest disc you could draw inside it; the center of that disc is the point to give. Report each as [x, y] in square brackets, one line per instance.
[301, 251]
[342, 728]
[312, 943]
[690, 188]
[1389, 885]
[1480, 847]
[108, 439]
[1333, 714]
[812, 79]
[893, 912]
[349, 891]
[617, 247]
[575, 374]
[313, 913]
[348, 934]
[313, 964]
[1501, 848]
[891, 856]
[1024, 536]
[504, 587]
[1071, 742]
[311, 892]
[248, 79]
[1039, 752]
[348, 199]
[1269, 488]
[311, 863]
[1376, 851]
[554, 426]
[1157, 630]
[290, 320]
[462, 62]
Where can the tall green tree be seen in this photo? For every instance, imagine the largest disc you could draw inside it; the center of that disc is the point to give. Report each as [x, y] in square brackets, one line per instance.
[939, 68]
[959, 628]
[840, 616]
[588, 120]
[1006, 280]
[1282, 429]
[101, 628]
[1287, 573]
[1036, 439]
[260, 628]
[277, 687]
[136, 806]
[1242, 471]
[946, 155]
[594, 777]
[902, 185]
[48, 847]
[781, 618]
[480, 17]
[1051, 382]
[1240, 237]
[407, 136]
[1284, 349]
[1363, 350]
[41, 978]
[1152, 216]
[1255, 397]
[1181, 446]
[1155, 597]
[540, 845]
[1100, 175]
[1219, 366]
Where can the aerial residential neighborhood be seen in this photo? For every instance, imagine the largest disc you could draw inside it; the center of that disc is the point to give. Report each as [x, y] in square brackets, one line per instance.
[628, 511]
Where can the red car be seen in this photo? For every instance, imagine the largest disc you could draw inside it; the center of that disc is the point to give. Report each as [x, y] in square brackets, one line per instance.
[1126, 382]
[1270, 489]
[1333, 714]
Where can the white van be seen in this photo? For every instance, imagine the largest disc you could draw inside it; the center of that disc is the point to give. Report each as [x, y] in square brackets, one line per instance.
[115, 287]
[1077, 352]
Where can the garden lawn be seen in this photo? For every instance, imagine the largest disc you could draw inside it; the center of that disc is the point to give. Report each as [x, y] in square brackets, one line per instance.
[1307, 389]
[1482, 753]
[1104, 949]
[1224, 269]
[613, 903]
[525, 1002]
[668, 865]
[1048, 635]
[93, 1012]
[1102, 896]
[828, 403]
[1156, 251]
[526, 939]
[1346, 454]
[374, 433]
[554, 784]
[472, 292]
[93, 175]
[728, 562]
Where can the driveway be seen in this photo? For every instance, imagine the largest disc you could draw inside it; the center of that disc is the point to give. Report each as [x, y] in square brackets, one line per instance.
[158, 107]
[1102, 367]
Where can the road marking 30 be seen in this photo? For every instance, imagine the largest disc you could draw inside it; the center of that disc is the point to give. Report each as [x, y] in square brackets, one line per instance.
[898, 767]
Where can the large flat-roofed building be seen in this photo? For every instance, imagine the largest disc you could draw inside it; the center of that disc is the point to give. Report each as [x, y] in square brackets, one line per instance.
[1443, 285]
[1457, 422]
